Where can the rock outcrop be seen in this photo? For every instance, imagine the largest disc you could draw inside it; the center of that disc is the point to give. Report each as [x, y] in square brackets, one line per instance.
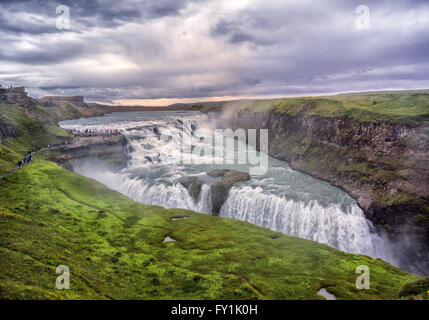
[70, 107]
[111, 150]
[15, 95]
[219, 189]
[7, 131]
[51, 101]
[193, 185]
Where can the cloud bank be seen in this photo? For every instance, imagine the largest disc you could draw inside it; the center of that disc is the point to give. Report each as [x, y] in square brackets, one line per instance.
[195, 49]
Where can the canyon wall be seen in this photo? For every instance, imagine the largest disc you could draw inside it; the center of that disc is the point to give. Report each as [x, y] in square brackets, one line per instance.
[383, 165]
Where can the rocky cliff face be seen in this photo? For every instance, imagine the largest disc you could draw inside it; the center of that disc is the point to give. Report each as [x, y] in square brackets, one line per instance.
[55, 100]
[384, 166]
[110, 150]
[219, 189]
[70, 107]
[15, 96]
[7, 131]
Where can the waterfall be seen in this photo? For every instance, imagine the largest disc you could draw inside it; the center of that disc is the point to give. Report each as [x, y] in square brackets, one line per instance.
[346, 230]
[146, 192]
[283, 200]
[205, 201]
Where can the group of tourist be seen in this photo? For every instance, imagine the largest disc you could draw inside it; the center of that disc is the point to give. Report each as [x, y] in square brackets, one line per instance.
[63, 143]
[108, 132]
[28, 157]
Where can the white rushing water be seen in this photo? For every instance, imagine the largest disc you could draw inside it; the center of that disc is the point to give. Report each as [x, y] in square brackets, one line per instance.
[282, 199]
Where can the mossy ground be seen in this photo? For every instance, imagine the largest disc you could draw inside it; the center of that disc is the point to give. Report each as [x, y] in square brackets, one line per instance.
[418, 290]
[114, 248]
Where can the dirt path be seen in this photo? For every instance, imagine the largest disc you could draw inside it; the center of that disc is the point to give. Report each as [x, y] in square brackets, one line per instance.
[10, 172]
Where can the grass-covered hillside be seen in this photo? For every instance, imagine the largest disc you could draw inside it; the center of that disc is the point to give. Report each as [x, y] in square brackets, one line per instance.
[410, 107]
[23, 127]
[115, 249]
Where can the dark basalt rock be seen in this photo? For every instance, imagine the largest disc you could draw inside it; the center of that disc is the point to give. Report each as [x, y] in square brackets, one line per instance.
[217, 173]
[194, 187]
[219, 193]
[7, 131]
[156, 131]
[111, 150]
[219, 189]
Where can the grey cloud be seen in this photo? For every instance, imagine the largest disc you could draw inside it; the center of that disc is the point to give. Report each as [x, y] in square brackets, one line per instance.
[265, 48]
[92, 13]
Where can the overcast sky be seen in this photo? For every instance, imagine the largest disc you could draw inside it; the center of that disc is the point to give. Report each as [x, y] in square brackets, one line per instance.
[126, 51]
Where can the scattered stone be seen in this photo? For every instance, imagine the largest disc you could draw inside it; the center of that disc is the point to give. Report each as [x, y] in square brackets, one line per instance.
[324, 293]
[179, 218]
[168, 239]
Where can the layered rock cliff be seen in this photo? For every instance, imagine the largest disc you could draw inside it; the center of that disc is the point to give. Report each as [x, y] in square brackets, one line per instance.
[15, 95]
[110, 150]
[52, 101]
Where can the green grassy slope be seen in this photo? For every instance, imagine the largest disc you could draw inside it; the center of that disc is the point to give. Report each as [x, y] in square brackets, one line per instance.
[36, 125]
[409, 107]
[114, 248]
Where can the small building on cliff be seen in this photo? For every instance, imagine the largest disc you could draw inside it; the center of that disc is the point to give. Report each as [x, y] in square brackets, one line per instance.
[14, 95]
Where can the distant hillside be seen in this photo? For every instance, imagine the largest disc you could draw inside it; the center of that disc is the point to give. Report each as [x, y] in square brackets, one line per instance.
[407, 107]
[108, 109]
